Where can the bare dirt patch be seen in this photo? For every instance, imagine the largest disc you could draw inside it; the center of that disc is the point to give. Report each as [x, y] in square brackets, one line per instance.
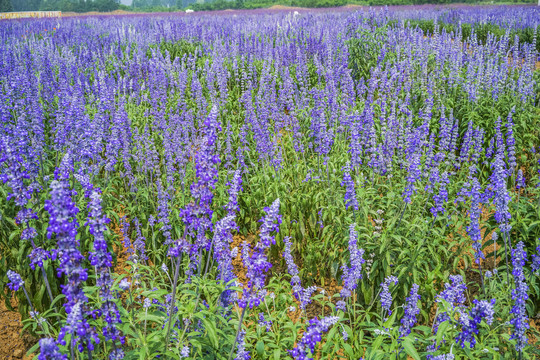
[13, 342]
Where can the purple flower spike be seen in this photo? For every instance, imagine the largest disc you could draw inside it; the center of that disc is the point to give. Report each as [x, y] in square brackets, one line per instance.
[312, 336]
[257, 263]
[469, 322]
[15, 280]
[353, 273]
[520, 295]
[350, 192]
[49, 350]
[386, 296]
[411, 311]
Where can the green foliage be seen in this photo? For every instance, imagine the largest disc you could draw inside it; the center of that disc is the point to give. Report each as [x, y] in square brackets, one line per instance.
[398, 238]
[82, 6]
[6, 6]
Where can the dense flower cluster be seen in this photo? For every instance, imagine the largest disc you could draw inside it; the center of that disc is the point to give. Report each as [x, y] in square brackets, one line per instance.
[536, 260]
[520, 295]
[386, 296]
[302, 294]
[350, 192]
[256, 263]
[473, 229]
[197, 215]
[49, 350]
[101, 259]
[312, 336]
[353, 273]
[482, 309]
[241, 352]
[411, 311]
[15, 280]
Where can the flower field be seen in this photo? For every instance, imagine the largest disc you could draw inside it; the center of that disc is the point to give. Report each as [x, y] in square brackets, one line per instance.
[336, 184]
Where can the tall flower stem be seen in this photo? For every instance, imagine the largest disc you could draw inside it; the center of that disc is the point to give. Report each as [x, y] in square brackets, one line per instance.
[401, 216]
[505, 238]
[28, 298]
[171, 307]
[49, 292]
[238, 331]
[482, 278]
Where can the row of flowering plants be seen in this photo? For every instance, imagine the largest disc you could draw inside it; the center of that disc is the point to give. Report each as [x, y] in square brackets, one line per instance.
[262, 185]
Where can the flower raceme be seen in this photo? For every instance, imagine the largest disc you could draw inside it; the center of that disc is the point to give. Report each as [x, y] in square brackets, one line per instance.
[520, 295]
[312, 336]
[257, 263]
[353, 273]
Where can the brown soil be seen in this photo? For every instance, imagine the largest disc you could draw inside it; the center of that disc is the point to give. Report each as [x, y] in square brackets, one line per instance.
[13, 342]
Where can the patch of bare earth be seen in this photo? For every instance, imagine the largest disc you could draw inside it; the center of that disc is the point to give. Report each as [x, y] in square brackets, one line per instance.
[14, 343]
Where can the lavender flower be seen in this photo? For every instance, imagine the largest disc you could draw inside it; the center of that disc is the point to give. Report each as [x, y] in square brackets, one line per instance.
[63, 223]
[101, 259]
[312, 336]
[197, 215]
[469, 322]
[15, 280]
[352, 274]
[270, 224]
[257, 263]
[291, 266]
[441, 197]
[185, 352]
[264, 323]
[139, 243]
[511, 141]
[242, 353]
[498, 182]
[124, 284]
[235, 187]
[473, 229]
[37, 257]
[350, 192]
[116, 354]
[49, 350]
[520, 180]
[448, 356]
[341, 305]
[411, 311]
[223, 255]
[29, 233]
[414, 174]
[535, 267]
[79, 329]
[453, 293]
[386, 296]
[520, 321]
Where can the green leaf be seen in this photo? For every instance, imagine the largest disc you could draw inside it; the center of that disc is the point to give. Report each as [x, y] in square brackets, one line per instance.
[441, 331]
[260, 348]
[409, 348]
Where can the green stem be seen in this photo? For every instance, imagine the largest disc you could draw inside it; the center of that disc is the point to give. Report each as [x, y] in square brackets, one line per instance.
[238, 331]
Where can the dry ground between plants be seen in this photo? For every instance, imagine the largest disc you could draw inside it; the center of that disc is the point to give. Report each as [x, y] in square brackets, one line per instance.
[13, 343]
